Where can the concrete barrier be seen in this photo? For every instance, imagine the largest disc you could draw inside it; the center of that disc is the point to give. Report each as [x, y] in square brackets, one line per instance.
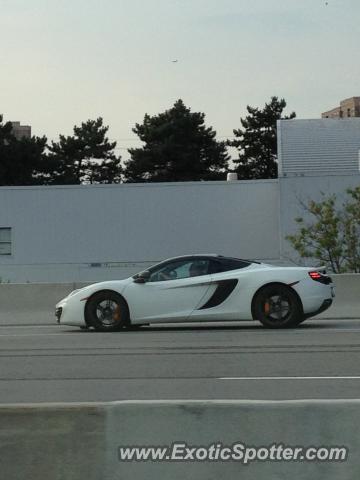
[25, 304]
[52, 442]
[33, 303]
[347, 301]
[76, 442]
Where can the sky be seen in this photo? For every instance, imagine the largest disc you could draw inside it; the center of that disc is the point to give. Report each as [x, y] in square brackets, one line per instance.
[65, 61]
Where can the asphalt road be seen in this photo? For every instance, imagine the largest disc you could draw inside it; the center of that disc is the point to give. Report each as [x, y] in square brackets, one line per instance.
[320, 359]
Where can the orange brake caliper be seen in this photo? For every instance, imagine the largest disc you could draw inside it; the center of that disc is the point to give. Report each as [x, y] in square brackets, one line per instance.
[117, 314]
[267, 308]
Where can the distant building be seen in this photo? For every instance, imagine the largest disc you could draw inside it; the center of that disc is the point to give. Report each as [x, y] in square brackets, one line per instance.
[20, 131]
[350, 107]
[321, 146]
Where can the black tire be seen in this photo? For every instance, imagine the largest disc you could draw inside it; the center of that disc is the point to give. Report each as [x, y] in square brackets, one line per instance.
[277, 306]
[107, 311]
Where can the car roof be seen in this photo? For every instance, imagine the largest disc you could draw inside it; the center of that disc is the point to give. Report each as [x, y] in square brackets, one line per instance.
[201, 255]
[208, 255]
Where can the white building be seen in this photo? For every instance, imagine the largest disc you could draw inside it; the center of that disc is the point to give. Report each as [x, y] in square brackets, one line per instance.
[97, 232]
[319, 147]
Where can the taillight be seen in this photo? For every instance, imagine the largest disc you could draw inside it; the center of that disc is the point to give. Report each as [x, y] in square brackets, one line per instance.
[318, 277]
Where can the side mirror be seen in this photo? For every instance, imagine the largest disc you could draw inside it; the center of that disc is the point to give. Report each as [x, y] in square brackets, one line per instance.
[142, 277]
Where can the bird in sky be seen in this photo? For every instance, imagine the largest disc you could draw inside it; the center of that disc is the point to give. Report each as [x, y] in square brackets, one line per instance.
[174, 61]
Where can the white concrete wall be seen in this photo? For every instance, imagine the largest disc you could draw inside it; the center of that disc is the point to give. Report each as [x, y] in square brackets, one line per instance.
[60, 233]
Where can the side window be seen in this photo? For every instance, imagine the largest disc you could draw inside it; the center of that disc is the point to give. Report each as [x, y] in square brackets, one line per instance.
[199, 268]
[216, 267]
[180, 269]
[228, 264]
[169, 271]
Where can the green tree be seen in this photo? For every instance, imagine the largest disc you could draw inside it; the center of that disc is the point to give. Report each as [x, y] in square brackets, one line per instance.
[331, 234]
[177, 147]
[86, 157]
[23, 161]
[351, 221]
[256, 142]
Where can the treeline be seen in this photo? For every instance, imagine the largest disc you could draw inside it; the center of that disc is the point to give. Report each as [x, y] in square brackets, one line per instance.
[177, 146]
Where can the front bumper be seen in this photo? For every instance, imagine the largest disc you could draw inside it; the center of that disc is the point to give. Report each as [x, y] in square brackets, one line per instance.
[70, 311]
[58, 313]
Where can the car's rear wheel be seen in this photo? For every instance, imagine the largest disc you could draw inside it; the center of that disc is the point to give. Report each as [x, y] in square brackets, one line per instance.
[106, 311]
[277, 306]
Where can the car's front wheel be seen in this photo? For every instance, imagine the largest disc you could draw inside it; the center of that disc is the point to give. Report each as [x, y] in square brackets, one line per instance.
[277, 306]
[106, 311]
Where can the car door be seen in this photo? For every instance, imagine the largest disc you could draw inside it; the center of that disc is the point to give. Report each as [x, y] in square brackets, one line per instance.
[171, 294]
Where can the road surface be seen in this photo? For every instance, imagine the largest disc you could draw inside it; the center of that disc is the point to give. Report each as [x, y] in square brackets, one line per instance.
[320, 359]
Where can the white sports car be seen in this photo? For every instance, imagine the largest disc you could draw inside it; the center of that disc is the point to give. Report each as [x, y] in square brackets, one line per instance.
[201, 288]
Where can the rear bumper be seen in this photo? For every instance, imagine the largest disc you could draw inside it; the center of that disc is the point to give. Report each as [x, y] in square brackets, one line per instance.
[314, 296]
[325, 305]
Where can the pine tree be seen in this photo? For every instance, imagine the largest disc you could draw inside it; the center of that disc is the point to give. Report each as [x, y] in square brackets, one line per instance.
[86, 157]
[22, 161]
[256, 142]
[177, 147]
